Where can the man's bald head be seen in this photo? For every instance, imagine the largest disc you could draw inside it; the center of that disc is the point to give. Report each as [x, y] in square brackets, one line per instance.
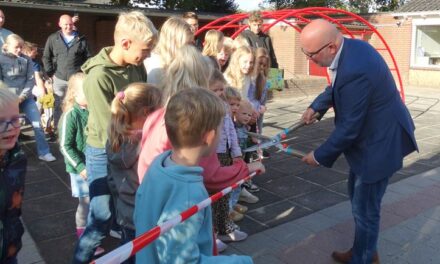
[66, 24]
[317, 36]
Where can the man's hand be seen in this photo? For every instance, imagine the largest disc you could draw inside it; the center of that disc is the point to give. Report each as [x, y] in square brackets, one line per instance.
[307, 116]
[310, 159]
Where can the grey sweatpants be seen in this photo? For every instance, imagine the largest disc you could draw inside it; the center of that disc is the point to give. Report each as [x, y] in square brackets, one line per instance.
[59, 92]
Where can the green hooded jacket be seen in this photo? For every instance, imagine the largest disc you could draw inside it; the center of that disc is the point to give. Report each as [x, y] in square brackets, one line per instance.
[104, 79]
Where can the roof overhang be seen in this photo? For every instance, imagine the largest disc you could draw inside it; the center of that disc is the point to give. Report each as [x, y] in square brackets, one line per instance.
[417, 14]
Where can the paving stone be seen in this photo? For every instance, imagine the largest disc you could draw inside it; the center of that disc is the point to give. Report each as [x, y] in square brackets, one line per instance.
[49, 205]
[290, 186]
[323, 176]
[340, 212]
[266, 198]
[251, 226]
[252, 246]
[279, 213]
[291, 166]
[267, 259]
[319, 199]
[316, 222]
[403, 236]
[43, 188]
[51, 227]
[339, 187]
[289, 233]
[416, 168]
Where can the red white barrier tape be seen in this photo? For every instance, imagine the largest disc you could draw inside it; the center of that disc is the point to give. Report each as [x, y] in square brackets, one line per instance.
[129, 249]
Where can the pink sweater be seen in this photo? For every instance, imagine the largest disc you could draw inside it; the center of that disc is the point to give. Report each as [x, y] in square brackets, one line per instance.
[155, 141]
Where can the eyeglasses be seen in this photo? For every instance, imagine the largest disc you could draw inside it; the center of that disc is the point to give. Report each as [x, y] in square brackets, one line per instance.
[311, 54]
[15, 122]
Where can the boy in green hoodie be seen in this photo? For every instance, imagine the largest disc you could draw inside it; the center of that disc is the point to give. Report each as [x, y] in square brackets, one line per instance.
[108, 72]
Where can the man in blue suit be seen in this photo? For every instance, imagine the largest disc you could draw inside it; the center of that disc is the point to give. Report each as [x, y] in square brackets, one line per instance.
[373, 127]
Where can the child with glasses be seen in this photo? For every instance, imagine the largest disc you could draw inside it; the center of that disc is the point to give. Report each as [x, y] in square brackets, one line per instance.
[12, 172]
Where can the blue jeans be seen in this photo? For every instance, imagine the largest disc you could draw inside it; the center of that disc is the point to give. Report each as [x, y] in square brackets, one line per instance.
[98, 222]
[366, 199]
[29, 107]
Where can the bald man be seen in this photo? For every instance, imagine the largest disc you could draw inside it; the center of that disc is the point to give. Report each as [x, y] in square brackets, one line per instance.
[65, 51]
[373, 127]
[3, 31]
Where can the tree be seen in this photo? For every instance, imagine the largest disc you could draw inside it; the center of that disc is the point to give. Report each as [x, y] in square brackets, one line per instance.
[216, 6]
[358, 6]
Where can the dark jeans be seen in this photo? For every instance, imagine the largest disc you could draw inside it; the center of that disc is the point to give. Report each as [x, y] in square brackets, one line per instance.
[366, 199]
[99, 219]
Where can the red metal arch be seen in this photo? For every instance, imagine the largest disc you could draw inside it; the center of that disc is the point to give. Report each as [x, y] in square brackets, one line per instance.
[296, 18]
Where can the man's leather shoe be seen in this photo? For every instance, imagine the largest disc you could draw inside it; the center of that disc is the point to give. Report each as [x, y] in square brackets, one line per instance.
[345, 257]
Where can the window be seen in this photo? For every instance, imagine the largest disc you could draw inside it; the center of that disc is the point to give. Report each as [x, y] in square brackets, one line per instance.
[426, 43]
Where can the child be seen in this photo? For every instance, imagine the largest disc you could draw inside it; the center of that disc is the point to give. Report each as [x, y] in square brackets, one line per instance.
[72, 142]
[107, 73]
[31, 50]
[242, 119]
[239, 71]
[18, 75]
[227, 150]
[174, 34]
[174, 183]
[213, 45]
[12, 176]
[258, 96]
[129, 109]
[224, 54]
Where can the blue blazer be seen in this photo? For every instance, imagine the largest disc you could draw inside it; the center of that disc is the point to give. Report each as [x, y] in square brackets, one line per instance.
[373, 127]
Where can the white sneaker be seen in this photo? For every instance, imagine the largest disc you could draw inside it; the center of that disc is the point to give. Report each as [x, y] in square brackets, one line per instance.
[220, 245]
[247, 197]
[235, 236]
[115, 234]
[48, 157]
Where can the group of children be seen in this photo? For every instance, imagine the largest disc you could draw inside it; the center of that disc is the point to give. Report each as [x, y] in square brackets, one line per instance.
[153, 150]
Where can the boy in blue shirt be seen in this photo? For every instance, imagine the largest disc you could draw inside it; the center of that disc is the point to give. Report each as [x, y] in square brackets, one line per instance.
[174, 183]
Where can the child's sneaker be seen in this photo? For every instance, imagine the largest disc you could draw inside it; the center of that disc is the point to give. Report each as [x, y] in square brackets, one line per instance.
[116, 234]
[240, 208]
[247, 197]
[48, 157]
[235, 216]
[235, 236]
[251, 187]
[220, 245]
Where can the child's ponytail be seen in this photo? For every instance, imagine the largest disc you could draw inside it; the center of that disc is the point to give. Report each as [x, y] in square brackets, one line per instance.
[137, 100]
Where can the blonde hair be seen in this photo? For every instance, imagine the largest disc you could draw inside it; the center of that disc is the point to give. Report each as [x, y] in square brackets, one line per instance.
[261, 78]
[189, 69]
[233, 73]
[239, 42]
[245, 104]
[73, 85]
[190, 114]
[6, 97]
[137, 100]
[213, 43]
[174, 34]
[9, 38]
[135, 25]
[231, 93]
[255, 16]
[29, 46]
[228, 44]
[217, 76]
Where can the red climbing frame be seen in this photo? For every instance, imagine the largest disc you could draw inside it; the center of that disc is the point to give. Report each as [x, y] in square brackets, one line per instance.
[233, 25]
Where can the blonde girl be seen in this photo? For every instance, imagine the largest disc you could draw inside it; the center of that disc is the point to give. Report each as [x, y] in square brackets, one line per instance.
[129, 110]
[238, 42]
[213, 45]
[18, 75]
[189, 69]
[240, 69]
[175, 33]
[225, 53]
[72, 141]
[259, 96]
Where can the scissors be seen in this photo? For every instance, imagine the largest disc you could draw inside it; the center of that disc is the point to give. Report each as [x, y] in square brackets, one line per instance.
[278, 140]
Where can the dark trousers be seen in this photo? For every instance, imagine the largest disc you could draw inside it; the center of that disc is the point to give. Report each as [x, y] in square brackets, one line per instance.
[366, 199]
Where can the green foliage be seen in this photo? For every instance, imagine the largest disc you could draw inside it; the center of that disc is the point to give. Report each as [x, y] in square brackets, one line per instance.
[358, 6]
